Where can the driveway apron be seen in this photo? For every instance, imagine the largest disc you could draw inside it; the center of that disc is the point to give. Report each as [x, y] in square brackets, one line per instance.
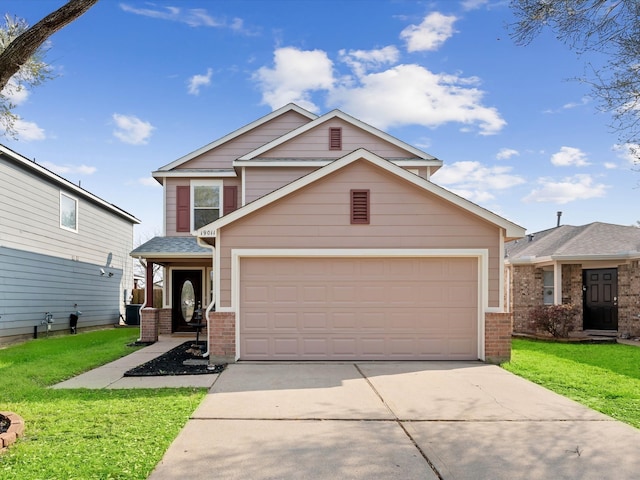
[394, 420]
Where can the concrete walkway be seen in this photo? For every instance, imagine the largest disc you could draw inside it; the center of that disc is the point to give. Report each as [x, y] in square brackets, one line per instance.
[111, 374]
[383, 420]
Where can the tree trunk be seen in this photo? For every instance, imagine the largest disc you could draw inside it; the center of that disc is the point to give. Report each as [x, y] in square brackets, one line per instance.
[25, 45]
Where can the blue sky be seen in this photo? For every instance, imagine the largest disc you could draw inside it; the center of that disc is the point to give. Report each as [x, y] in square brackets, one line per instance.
[139, 84]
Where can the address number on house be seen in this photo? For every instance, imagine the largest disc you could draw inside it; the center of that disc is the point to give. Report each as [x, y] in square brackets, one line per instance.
[206, 233]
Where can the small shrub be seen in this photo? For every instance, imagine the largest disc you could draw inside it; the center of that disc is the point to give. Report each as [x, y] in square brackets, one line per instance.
[558, 320]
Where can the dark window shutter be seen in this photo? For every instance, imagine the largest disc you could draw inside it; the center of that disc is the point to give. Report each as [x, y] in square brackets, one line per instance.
[230, 199]
[335, 138]
[183, 208]
[360, 207]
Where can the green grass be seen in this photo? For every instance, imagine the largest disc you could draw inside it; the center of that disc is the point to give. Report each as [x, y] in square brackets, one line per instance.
[603, 377]
[85, 434]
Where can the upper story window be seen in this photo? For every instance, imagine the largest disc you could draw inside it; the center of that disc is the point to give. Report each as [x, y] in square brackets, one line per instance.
[206, 202]
[335, 138]
[68, 212]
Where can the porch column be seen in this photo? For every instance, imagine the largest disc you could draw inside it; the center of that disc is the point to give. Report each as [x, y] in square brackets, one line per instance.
[148, 291]
[557, 283]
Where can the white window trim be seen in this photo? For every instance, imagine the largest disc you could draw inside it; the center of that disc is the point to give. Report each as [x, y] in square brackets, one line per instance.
[75, 199]
[205, 183]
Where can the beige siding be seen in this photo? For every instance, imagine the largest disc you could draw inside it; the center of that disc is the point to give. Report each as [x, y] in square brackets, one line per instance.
[315, 144]
[402, 216]
[261, 180]
[224, 155]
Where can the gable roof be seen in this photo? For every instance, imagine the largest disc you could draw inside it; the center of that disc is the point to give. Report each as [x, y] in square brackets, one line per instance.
[56, 179]
[349, 119]
[236, 133]
[594, 241]
[512, 230]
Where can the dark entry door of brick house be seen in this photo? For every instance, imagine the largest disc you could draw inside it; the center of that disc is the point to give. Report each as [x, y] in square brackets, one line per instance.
[182, 303]
[600, 299]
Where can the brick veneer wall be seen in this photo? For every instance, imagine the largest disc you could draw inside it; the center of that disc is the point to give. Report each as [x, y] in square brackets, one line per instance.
[149, 324]
[164, 321]
[629, 299]
[222, 337]
[526, 287]
[497, 336]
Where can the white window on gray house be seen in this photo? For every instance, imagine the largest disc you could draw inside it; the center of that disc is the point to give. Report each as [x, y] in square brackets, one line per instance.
[68, 212]
[206, 203]
[547, 281]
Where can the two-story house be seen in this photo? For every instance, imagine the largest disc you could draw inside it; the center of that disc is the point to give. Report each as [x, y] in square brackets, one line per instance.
[310, 237]
[63, 252]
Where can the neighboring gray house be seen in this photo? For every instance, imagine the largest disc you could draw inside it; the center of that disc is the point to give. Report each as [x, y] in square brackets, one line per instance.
[62, 250]
[594, 266]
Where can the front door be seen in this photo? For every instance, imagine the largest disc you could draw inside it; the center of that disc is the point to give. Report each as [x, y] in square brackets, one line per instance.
[600, 298]
[186, 297]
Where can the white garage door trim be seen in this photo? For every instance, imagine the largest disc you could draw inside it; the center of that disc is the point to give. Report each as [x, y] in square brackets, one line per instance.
[481, 254]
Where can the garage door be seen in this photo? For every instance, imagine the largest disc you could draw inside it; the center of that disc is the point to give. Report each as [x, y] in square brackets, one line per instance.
[358, 308]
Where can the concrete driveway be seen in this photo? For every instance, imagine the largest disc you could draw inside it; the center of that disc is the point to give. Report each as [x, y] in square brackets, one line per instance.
[383, 420]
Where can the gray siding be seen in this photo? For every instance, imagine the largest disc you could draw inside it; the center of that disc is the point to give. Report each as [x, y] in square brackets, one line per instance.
[42, 264]
[32, 284]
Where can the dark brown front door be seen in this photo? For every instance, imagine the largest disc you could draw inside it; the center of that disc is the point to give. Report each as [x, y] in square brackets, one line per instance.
[600, 287]
[186, 297]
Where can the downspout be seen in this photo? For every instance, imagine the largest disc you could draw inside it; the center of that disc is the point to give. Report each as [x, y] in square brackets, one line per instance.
[144, 304]
[213, 297]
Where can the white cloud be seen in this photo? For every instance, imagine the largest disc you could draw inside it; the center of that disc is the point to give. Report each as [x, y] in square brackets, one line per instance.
[610, 165]
[296, 73]
[507, 153]
[130, 129]
[434, 30]
[473, 4]
[475, 181]
[194, 17]
[15, 93]
[28, 131]
[578, 187]
[148, 182]
[412, 95]
[198, 81]
[569, 156]
[629, 152]
[69, 169]
[362, 61]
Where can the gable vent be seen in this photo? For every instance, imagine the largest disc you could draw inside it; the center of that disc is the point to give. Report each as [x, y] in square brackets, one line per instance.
[335, 138]
[360, 207]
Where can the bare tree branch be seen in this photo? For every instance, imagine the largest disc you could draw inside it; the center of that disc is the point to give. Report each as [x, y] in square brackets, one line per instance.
[25, 45]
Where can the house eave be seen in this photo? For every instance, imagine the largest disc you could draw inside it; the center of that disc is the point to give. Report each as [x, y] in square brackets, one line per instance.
[193, 173]
[321, 162]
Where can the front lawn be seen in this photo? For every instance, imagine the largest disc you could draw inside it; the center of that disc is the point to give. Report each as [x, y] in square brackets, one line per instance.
[603, 377]
[85, 434]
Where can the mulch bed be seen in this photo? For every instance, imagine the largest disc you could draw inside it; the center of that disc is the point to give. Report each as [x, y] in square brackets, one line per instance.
[185, 359]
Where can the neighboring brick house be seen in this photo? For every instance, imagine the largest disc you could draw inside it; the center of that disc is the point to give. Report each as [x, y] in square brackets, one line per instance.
[312, 237]
[594, 266]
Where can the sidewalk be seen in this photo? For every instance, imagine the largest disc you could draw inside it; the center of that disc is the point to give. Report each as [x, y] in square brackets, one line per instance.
[111, 375]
